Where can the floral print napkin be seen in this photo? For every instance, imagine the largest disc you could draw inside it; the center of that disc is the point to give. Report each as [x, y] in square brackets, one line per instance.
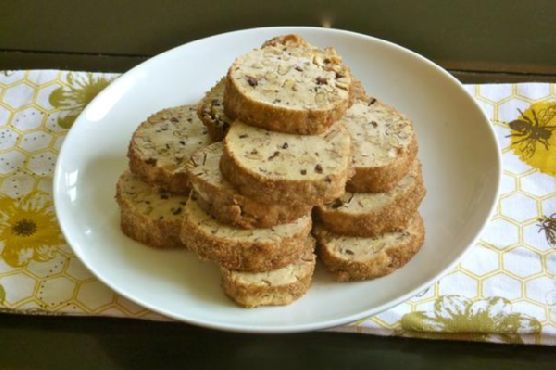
[503, 290]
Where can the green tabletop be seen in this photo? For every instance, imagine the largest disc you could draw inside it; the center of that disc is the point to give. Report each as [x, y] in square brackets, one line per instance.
[101, 343]
[478, 41]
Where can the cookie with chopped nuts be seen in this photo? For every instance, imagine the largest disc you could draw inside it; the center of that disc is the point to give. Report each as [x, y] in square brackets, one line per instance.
[277, 287]
[384, 146]
[163, 143]
[221, 200]
[252, 250]
[371, 214]
[149, 215]
[274, 167]
[288, 86]
[353, 258]
[211, 112]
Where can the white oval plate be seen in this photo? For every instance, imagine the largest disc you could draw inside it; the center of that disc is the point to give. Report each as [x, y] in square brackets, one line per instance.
[457, 147]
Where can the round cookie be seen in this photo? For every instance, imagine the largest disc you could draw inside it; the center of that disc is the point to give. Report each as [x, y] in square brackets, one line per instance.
[384, 146]
[352, 258]
[288, 86]
[271, 288]
[370, 214]
[163, 143]
[148, 215]
[253, 250]
[273, 167]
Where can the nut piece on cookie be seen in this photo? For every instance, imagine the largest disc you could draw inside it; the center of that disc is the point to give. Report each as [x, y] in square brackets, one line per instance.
[288, 86]
[163, 143]
[149, 215]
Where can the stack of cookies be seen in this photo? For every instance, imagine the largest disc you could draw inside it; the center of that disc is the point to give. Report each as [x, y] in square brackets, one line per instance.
[374, 228]
[153, 192]
[291, 132]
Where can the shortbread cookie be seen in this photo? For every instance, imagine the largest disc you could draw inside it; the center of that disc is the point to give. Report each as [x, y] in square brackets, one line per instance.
[211, 112]
[220, 199]
[384, 146]
[288, 86]
[273, 167]
[271, 288]
[352, 258]
[370, 214]
[163, 143]
[148, 215]
[244, 250]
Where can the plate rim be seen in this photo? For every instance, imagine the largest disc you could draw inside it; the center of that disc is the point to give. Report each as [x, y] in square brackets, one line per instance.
[58, 183]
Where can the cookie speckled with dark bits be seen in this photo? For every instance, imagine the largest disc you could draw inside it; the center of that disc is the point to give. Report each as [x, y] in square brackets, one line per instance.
[353, 258]
[289, 86]
[277, 287]
[147, 215]
[162, 145]
[285, 168]
[384, 146]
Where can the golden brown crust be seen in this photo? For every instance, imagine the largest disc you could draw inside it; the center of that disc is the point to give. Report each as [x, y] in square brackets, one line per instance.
[384, 262]
[242, 212]
[247, 296]
[383, 179]
[393, 216]
[252, 255]
[158, 234]
[155, 232]
[267, 293]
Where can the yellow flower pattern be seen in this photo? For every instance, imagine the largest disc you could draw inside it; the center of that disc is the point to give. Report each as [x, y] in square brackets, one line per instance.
[463, 318]
[510, 272]
[75, 94]
[28, 229]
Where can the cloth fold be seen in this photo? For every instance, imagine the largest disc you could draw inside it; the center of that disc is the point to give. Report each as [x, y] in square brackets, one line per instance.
[503, 289]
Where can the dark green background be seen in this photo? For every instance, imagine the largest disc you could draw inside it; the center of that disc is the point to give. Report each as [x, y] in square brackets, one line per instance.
[478, 41]
[501, 36]
[70, 343]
